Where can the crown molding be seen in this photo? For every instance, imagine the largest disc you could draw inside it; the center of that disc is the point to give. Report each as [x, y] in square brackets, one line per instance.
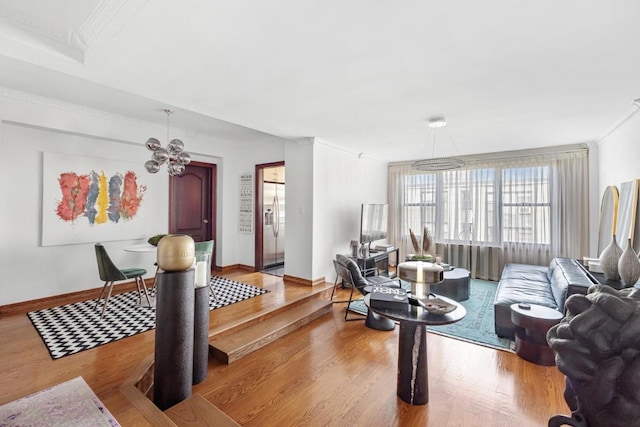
[27, 22]
[106, 20]
[100, 18]
[44, 101]
[30, 30]
[635, 109]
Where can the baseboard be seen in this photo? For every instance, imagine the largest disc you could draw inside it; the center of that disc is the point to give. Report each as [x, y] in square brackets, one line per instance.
[305, 282]
[233, 267]
[62, 299]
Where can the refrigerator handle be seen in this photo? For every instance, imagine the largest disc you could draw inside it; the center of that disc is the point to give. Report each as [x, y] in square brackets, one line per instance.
[276, 213]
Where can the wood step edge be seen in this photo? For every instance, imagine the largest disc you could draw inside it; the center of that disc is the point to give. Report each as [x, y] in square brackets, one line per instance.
[233, 347]
[262, 315]
[259, 330]
[198, 412]
[139, 400]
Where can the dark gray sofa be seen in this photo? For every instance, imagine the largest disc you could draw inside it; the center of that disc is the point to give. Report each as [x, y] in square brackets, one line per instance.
[533, 284]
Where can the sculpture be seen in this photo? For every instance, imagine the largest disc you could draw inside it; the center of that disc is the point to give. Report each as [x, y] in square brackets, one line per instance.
[597, 347]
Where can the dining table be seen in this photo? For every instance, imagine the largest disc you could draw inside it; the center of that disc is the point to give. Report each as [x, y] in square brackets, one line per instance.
[145, 248]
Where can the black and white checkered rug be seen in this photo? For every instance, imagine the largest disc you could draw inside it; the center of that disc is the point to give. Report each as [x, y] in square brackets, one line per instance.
[72, 328]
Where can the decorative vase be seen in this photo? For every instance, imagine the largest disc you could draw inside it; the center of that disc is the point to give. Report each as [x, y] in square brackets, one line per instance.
[609, 259]
[629, 266]
[175, 320]
[176, 252]
[201, 335]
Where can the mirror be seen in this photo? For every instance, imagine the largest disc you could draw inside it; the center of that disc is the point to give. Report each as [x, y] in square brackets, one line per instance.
[608, 217]
[627, 212]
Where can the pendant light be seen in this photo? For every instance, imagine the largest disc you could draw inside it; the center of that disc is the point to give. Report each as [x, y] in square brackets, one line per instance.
[437, 163]
[174, 155]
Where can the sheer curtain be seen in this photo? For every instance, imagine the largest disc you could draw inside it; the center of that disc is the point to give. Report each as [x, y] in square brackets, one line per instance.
[518, 208]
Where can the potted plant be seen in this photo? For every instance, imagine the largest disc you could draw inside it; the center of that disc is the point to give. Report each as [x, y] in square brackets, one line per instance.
[153, 240]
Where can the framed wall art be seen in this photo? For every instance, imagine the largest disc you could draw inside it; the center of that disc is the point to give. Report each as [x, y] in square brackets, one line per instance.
[88, 199]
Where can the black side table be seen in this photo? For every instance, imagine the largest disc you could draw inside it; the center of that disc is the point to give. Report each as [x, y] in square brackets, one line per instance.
[455, 284]
[413, 381]
[531, 334]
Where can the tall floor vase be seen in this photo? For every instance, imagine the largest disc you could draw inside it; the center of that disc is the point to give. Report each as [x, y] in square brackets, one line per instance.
[609, 259]
[201, 335]
[629, 266]
[173, 367]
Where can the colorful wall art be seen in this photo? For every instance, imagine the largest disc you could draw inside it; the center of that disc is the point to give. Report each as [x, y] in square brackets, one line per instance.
[90, 196]
[89, 199]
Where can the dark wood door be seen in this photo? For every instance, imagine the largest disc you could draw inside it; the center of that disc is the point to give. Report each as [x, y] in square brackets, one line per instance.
[192, 208]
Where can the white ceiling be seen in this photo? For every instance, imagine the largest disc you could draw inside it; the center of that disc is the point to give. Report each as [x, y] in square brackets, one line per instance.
[360, 74]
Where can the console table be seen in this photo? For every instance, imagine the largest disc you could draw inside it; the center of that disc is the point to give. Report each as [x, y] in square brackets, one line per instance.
[413, 381]
[600, 278]
[376, 261]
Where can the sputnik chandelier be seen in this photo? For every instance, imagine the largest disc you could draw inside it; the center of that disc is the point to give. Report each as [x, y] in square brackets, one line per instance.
[174, 155]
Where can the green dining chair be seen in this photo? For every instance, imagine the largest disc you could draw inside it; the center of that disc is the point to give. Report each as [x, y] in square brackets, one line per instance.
[110, 274]
[207, 246]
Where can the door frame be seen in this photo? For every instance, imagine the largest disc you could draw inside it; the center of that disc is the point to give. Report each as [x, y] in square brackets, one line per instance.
[259, 220]
[213, 222]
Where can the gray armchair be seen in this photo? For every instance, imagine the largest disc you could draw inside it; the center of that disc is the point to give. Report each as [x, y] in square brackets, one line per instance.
[348, 272]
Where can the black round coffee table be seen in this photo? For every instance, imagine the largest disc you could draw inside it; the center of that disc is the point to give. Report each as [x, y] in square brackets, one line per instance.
[533, 322]
[413, 382]
[455, 284]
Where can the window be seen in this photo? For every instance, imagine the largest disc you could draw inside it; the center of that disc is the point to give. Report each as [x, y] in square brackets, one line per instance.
[420, 202]
[526, 208]
[533, 206]
[460, 206]
[456, 206]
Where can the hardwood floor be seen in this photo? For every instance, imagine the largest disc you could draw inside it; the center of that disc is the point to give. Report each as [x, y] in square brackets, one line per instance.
[329, 372]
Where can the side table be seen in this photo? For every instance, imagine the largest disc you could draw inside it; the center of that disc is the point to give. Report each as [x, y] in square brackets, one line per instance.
[455, 284]
[413, 381]
[531, 334]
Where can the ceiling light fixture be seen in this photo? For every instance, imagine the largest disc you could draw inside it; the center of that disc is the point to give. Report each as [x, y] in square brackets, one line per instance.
[174, 155]
[437, 163]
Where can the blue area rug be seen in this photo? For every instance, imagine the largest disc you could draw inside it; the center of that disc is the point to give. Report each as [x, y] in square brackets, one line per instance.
[477, 327]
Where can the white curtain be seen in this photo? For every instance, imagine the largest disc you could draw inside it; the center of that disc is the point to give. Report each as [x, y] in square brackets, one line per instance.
[519, 208]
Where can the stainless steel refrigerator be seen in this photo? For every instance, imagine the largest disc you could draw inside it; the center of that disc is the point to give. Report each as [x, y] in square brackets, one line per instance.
[273, 235]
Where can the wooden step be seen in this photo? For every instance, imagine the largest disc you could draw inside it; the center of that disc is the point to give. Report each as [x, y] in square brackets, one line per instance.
[229, 348]
[198, 412]
[241, 320]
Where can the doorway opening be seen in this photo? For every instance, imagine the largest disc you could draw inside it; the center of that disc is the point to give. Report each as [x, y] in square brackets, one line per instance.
[270, 218]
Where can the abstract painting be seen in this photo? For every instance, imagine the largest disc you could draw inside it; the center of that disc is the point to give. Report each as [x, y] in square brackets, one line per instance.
[86, 199]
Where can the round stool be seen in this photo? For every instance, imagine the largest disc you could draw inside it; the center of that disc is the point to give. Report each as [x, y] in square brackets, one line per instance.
[533, 322]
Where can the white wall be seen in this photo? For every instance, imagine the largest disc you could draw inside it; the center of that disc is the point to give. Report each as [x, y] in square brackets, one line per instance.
[30, 125]
[619, 155]
[325, 188]
[299, 212]
[239, 159]
[619, 158]
[342, 182]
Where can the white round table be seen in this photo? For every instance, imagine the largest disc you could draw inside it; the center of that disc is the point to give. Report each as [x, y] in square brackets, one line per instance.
[144, 247]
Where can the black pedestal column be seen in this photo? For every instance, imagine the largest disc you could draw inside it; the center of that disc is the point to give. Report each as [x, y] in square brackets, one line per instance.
[173, 368]
[201, 335]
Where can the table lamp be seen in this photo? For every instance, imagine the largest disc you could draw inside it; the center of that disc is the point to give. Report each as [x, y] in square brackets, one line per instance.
[421, 275]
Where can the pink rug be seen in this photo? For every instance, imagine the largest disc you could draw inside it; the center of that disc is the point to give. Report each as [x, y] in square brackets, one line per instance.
[71, 403]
